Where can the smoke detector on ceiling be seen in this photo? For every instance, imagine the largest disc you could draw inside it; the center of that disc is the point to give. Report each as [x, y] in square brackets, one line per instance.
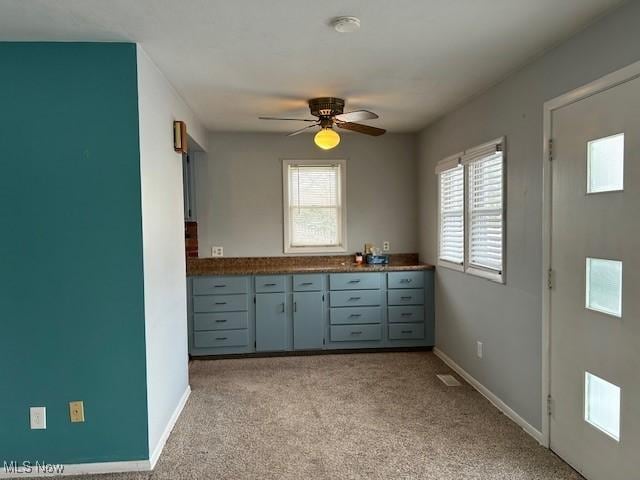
[346, 24]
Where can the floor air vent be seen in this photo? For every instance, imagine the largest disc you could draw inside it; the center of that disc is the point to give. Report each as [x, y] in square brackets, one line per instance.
[449, 380]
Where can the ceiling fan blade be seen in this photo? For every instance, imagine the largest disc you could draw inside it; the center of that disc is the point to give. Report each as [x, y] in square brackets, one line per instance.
[356, 116]
[290, 119]
[360, 128]
[302, 130]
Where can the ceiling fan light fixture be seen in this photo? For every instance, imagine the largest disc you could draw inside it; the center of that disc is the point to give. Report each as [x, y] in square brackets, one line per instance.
[346, 24]
[327, 139]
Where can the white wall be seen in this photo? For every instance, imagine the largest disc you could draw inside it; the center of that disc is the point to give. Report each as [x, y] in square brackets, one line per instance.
[508, 318]
[163, 243]
[239, 191]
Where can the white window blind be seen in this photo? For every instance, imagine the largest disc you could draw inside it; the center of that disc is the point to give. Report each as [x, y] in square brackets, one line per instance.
[314, 211]
[452, 215]
[485, 208]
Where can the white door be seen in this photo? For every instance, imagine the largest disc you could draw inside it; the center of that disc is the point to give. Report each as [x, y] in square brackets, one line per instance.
[595, 299]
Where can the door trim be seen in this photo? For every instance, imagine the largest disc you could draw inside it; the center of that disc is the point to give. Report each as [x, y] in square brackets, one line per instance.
[607, 82]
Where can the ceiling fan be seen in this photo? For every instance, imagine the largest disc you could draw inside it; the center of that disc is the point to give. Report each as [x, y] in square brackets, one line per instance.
[329, 111]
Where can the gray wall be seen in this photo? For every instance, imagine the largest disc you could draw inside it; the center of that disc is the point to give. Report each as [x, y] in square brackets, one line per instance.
[508, 318]
[239, 190]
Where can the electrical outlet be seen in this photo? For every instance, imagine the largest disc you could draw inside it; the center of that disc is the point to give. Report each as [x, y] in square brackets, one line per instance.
[479, 347]
[217, 252]
[76, 411]
[38, 418]
[385, 246]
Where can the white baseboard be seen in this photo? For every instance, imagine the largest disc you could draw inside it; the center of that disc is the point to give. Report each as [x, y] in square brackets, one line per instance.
[108, 467]
[81, 469]
[167, 431]
[485, 392]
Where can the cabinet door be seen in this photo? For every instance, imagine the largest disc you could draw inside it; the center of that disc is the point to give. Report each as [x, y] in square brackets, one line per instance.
[308, 320]
[271, 322]
[187, 190]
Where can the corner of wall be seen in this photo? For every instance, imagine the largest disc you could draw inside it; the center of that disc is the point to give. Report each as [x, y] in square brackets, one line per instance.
[164, 250]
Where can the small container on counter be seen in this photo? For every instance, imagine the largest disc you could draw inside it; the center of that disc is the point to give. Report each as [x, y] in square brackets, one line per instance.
[359, 258]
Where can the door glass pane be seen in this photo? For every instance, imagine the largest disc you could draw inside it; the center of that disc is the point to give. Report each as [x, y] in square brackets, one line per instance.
[605, 165]
[602, 405]
[604, 286]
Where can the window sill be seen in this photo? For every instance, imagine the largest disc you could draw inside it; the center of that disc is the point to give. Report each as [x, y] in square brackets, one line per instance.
[458, 267]
[493, 276]
[314, 250]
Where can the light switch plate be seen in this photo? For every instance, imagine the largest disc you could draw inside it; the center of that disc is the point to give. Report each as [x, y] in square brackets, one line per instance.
[385, 246]
[217, 252]
[38, 418]
[76, 411]
[480, 348]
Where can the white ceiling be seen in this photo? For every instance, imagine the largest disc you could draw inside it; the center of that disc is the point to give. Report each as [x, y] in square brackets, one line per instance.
[412, 61]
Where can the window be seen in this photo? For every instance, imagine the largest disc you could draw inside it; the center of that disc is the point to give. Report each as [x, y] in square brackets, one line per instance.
[605, 164]
[485, 173]
[604, 286]
[314, 206]
[602, 405]
[471, 211]
[451, 244]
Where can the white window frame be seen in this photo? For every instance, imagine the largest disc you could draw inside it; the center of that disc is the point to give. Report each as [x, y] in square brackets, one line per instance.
[454, 161]
[465, 158]
[342, 221]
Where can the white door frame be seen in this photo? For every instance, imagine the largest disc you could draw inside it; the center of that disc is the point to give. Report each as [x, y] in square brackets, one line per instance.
[611, 80]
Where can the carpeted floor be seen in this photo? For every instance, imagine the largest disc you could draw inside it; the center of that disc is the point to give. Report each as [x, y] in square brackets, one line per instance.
[353, 416]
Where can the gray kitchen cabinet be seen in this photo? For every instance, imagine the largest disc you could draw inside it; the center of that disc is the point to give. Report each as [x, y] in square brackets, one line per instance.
[308, 320]
[240, 314]
[220, 315]
[271, 322]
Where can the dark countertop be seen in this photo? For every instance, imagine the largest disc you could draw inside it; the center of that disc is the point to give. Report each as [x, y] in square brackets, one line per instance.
[291, 265]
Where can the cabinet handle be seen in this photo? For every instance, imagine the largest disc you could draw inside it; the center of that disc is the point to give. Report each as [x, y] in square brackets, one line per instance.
[306, 283]
[220, 321]
[282, 308]
[354, 281]
[406, 298]
[219, 286]
[407, 331]
[270, 284]
[354, 298]
[221, 338]
[356, 332]
[405, 280]
[295, 306]
[407, 314]
[355, 315]
[221, 303]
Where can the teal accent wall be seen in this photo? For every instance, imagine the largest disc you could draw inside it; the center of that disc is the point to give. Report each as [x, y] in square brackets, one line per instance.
[71, 274]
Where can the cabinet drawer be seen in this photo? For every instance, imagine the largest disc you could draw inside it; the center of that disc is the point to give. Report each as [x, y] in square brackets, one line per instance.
[270, 283]
[354, 281]
[220, 285]
[220, 321]
[406, 297]
[355, 315]
[406, 314]
[405, 280]
[225, 338]
[221, 303]
[355, 333]
[307, 283]
[355, 298]
[406, 331]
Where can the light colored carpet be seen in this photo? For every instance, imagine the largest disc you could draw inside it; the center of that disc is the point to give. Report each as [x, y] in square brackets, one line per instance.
[352, 416]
